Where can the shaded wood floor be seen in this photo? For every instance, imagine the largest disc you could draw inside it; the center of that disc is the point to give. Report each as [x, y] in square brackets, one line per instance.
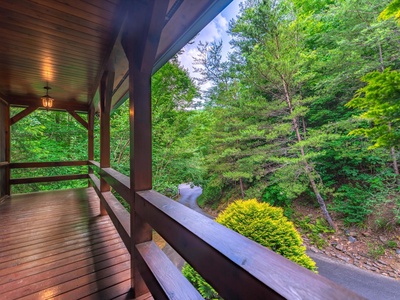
[54, 245]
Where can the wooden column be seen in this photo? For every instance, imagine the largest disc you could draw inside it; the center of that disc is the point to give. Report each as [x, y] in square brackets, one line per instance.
[8, 148]
[140, 41]
[90, 139]
[106, 86]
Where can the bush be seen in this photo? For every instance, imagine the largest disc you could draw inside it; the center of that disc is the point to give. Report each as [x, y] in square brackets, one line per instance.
[314, 230]
[263, 224]
[353, 202]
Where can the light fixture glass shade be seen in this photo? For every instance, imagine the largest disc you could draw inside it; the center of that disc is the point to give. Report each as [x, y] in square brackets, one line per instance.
[47, 101]
[50, 102]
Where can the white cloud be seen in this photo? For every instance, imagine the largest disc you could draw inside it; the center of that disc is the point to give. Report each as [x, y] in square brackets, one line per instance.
[186, 59]
[214, 31]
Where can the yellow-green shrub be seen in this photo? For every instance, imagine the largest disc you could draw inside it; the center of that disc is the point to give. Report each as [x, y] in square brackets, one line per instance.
[263, 224]
[267, 226]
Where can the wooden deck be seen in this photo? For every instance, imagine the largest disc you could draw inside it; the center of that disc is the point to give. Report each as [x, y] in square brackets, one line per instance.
[54, 245]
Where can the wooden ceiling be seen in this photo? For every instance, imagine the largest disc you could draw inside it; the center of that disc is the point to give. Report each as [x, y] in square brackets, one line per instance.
[69, 43]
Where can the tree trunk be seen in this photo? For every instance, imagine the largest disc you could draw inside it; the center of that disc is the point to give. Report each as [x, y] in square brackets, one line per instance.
[308, 168]
[382, 65]
[395, 165]
[393, 154]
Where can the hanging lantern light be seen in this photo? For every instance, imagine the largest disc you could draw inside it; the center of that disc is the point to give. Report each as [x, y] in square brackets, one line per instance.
[47, 101]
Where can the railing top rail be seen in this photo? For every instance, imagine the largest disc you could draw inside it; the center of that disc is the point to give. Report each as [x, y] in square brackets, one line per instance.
[21, 165]
[236, 266]
[4, 163]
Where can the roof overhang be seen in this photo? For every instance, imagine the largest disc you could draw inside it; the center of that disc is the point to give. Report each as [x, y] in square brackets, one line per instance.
[70, 44]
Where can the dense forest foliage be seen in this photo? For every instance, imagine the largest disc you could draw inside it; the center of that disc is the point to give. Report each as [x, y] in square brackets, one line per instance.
[305, 107]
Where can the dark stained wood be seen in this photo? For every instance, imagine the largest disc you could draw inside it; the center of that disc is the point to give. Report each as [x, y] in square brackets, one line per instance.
[3, 155]
[91, 135]
[90, 140]
[140, 40]
[48, 178]
[48, 164]
[118, 214]
[58, 104]
[161, 275]
[106, 87]
[23, 114]
[94, 163]
[68, 251]
[237, 267]
[120, 182]
[65, 42]
[78, 118]
[105, 103]
[107, 63]
[7, 128]
[71, 43]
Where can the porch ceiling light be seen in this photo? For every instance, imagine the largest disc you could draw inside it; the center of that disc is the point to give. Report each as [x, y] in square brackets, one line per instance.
[47, 101]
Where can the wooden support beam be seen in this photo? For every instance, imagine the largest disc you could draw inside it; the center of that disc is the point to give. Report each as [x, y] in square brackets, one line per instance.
[91, 134]
[90, 139]
[8, 148]
[119, 18]
[141, 36]
[58, 104]
[78, 118]
[106, 88]
[23, 114]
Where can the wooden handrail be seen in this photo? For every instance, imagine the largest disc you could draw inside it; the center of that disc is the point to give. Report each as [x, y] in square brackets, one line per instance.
[4, 164]
[117, 213]
[119, 181]
[22, 165]
[235, 266]
[48, 178]
[164, 280]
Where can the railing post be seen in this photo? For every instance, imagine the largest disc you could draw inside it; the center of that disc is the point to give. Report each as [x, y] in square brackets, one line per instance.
[143, 28]
[8, 148]
[90, 139]
[106, 87]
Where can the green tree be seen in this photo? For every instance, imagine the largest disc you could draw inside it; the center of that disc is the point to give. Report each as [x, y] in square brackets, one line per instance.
[391, 11]
[176, 157]
[379, 100]
[270, 37]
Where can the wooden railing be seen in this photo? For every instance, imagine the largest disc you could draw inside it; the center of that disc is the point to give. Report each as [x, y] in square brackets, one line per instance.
[235, 266]
[40, 165]
[3, 179]
[4, 164]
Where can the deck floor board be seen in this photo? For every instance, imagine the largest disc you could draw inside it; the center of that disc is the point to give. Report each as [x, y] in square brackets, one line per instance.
[54, 245]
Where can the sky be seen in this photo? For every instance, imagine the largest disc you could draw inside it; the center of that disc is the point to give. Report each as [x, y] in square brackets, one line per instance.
[214, 31]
